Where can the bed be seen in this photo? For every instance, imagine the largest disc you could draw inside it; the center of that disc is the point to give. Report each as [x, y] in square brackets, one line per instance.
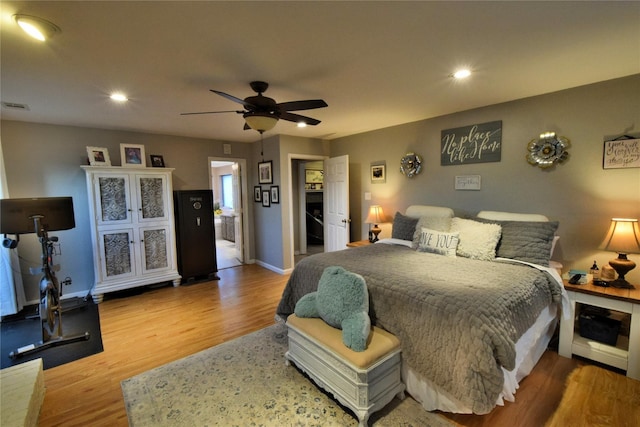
[474, 302]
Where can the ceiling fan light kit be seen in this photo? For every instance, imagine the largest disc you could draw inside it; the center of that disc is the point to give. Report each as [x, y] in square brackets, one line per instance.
[36, 27]
[261, 113]
[261, 122]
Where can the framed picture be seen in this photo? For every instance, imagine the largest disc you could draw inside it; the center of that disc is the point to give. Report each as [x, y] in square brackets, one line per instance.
[378, 173]
[275, 194]
[257, 193]
[132, 155]
[313, 176]
[621, 153]
[265, 173]
[98, 156]
[265, 198]
[157, 161]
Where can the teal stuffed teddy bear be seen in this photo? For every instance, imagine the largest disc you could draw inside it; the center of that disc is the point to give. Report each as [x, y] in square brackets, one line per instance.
[342, 301]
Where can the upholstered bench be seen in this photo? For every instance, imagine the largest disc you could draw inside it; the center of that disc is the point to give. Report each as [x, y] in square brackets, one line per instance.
[363, 381]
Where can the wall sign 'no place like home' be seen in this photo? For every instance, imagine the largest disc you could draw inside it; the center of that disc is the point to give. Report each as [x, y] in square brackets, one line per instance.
[480, 143]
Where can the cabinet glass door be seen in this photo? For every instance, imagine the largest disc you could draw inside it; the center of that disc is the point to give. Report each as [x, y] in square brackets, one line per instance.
[117, 252]
[151, 195]
[155, 249]
[113, 204]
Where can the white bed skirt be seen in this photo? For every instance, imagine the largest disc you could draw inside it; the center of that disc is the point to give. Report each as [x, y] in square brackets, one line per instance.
[529, 350]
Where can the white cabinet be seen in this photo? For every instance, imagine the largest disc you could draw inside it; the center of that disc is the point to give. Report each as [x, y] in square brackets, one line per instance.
[133, 235]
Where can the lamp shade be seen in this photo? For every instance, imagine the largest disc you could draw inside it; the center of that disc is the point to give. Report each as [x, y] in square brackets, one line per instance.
[623, 236]
[376, 216]
[260, 121]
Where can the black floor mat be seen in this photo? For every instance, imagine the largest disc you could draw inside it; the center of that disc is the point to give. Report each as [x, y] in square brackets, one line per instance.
[78, 317]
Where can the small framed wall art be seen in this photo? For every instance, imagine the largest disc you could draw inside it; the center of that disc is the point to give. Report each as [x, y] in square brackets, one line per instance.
[157, 161]
[275, 194]
[98, 156]
[265, 198]
[378, 173]
[621, 153]
[313, 176]
[257, 193]
[132, 155]
[265, 173]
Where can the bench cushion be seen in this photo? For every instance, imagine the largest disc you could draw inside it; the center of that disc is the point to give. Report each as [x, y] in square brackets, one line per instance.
[379, 344]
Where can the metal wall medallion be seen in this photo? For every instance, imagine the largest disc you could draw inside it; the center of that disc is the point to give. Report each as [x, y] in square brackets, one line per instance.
[547, 150]
[410, 165]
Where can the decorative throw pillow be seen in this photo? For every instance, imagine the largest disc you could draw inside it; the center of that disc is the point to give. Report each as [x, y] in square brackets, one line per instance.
[342, 301]
[438, 242]
[403, 227]
[436, 223]
[527, 241]
[477, 240]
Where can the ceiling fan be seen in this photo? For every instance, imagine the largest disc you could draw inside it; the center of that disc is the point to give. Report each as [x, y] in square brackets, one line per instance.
[261, 113]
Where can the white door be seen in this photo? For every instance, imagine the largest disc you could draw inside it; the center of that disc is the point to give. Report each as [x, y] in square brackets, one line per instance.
[236, 178]
[336, 203]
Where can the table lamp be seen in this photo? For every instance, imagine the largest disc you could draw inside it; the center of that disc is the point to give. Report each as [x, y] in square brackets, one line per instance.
[624, 238]
[375, 217]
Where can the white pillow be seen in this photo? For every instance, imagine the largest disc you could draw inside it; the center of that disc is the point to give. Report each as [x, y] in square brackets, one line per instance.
[438, 223]
[477, 240]
[438, 242]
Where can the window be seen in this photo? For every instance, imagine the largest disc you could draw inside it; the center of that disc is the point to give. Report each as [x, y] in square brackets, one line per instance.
[227, 191]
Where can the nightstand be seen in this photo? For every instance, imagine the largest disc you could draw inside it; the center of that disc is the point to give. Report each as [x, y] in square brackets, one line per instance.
[359, 243]
[626, 353]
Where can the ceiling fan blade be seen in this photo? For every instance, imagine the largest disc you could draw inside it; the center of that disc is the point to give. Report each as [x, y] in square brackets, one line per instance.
[233, 98]
[298, 118]
[213, 112]
[308, 104]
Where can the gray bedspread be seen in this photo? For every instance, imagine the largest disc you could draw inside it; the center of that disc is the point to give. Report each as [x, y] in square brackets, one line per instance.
[458, 319]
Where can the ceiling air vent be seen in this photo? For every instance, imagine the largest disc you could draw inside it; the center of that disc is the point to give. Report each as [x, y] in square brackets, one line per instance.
[15, 106]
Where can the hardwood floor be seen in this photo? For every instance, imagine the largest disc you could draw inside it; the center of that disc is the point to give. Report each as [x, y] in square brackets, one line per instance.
[149, 329]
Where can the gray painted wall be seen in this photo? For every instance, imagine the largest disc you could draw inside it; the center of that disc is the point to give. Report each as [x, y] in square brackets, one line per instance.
[43, 160]
[580, 194]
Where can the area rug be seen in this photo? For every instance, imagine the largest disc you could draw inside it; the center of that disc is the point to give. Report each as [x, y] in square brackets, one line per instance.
[245, 382]
[25, 328]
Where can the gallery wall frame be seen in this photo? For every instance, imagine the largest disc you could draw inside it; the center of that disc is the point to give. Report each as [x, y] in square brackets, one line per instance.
[266, 202]
[275, 194]
[257, 193]
[265, 172]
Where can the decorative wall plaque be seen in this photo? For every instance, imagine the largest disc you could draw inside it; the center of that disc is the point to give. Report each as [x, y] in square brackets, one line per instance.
[480, 143]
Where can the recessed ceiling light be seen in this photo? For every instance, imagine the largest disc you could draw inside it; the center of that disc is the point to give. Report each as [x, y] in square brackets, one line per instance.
[38, 28]
[302, 125]
[462, 74]
[119, 97]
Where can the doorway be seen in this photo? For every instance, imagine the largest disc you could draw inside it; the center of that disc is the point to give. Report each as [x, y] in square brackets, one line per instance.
[307, 206]
[228, 184]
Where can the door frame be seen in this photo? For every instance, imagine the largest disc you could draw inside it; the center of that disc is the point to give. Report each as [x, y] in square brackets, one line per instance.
[290, 171]
[244, 198]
